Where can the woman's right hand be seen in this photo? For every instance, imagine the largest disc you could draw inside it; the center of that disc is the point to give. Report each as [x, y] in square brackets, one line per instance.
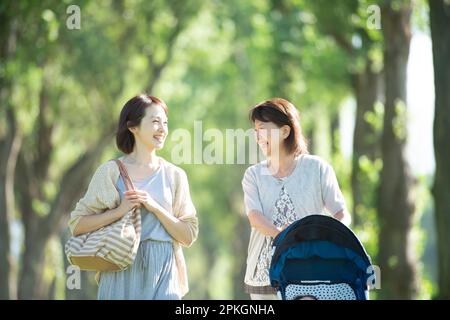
[280, 229]
[94, 222]
[127, 204]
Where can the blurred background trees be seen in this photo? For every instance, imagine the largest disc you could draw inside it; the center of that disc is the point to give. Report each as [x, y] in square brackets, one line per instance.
[61, 91]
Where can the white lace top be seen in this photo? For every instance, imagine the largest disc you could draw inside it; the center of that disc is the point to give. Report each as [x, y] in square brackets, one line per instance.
[284, 214]
[312, 188]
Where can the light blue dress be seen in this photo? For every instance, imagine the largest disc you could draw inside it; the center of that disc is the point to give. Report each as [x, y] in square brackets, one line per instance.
[153, 275]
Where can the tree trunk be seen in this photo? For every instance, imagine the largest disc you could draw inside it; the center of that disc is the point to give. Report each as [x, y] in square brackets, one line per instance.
[9, 146]
[37, 234]
[440, 33]
[32, 266]
[366, 87]
[395, 203]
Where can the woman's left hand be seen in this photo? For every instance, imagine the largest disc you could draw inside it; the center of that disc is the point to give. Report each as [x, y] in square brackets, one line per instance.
[144, 198]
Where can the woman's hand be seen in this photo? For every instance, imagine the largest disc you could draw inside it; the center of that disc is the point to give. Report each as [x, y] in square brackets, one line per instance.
[142, 198]
[280, 229]
[127, 204]
[176, 228]
[94, 222]
[343, 216]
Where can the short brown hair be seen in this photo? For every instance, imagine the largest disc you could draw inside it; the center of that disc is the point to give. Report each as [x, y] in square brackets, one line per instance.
[282, 112]
[131, 116]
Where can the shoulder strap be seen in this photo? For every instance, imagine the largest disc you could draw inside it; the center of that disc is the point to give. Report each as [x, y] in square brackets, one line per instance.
[124, 173]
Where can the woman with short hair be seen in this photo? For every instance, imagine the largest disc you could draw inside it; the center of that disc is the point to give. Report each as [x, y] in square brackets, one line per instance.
[289, 185]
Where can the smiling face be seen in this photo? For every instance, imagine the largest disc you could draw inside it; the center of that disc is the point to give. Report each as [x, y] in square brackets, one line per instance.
[270, 137]
[277, 128]
[153, 129]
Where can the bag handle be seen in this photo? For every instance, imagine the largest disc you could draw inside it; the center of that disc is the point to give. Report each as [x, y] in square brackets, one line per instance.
[124, 173]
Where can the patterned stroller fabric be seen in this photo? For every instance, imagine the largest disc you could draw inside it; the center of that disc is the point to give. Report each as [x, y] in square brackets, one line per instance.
[340, 291]
[319, 258]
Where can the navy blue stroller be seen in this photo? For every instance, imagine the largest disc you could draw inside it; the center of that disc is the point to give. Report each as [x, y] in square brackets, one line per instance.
[318, 257]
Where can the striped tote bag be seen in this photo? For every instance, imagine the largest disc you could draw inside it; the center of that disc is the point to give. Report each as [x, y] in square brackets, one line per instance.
[110, 248]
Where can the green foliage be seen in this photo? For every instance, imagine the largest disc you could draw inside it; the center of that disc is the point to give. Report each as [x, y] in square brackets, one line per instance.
[399, 121]
[210, 61]
[375, 117]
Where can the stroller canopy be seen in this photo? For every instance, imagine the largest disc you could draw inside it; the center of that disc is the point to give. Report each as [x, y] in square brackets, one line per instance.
[319, 248]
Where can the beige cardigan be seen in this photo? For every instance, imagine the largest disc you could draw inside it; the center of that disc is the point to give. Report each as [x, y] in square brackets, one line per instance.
[103, 195]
